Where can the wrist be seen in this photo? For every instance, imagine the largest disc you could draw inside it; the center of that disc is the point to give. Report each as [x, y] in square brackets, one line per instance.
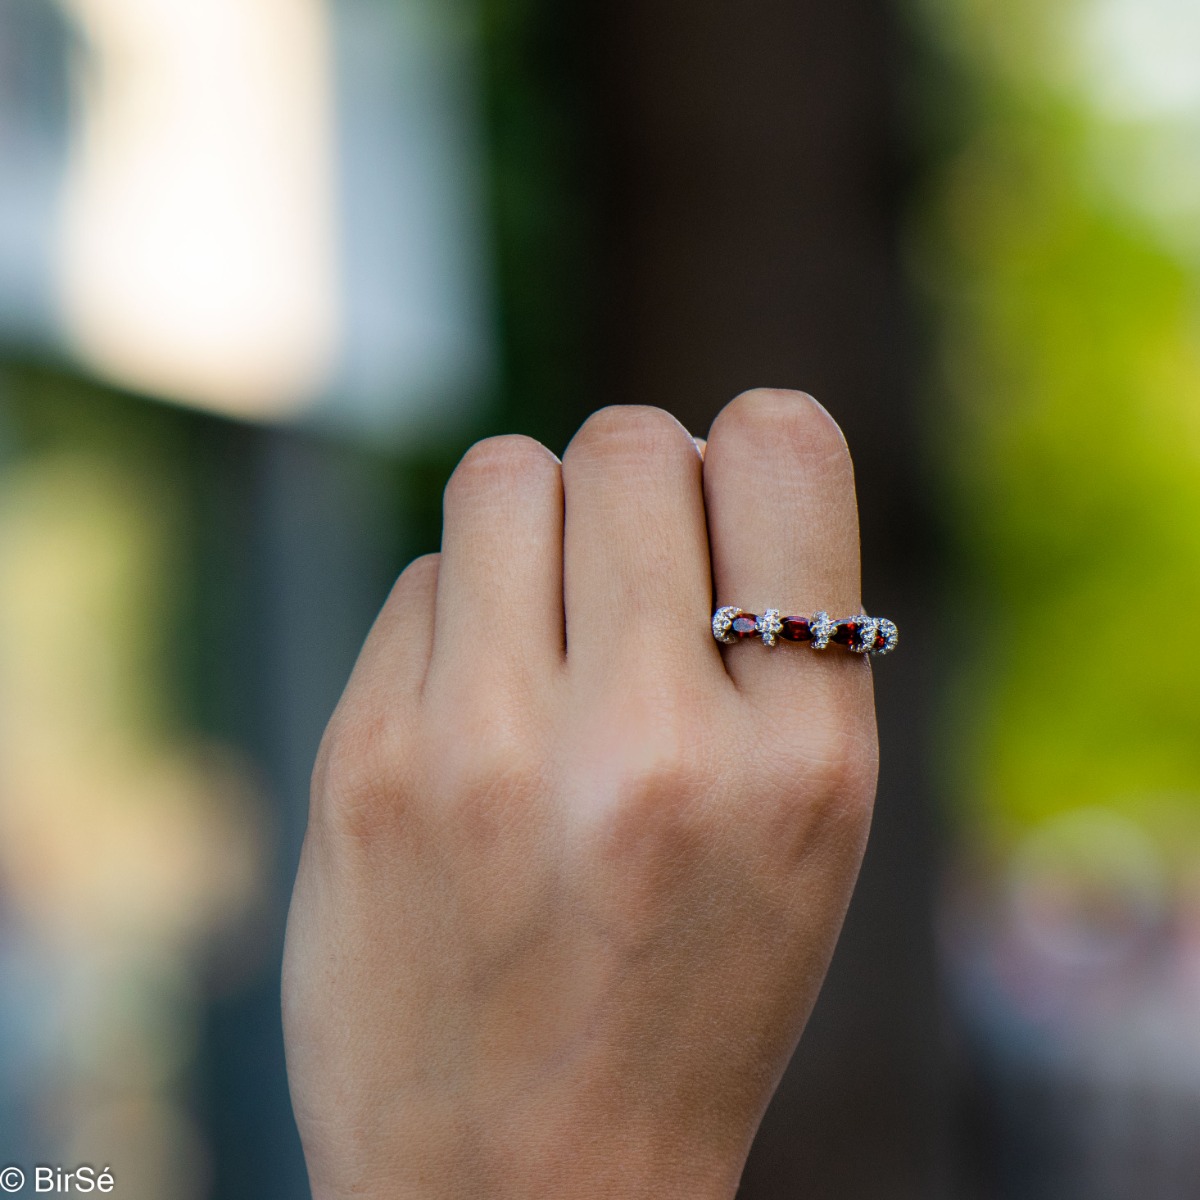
[606, 1161]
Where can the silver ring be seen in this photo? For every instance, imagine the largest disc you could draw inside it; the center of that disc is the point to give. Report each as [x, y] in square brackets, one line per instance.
[861, 634]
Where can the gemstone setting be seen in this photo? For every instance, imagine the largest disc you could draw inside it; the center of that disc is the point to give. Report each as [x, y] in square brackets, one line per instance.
[744, 625]
[722, 620]
[795, 629]
[856, 633]
[845, 632]
[859, 633]
[822, 629]
[887, 637]
[769, 626]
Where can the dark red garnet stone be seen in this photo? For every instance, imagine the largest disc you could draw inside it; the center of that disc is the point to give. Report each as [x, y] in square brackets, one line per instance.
[845, 634]
[744, 626]
[795, 629]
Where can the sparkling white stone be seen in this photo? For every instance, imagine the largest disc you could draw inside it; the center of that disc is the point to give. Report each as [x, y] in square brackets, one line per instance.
[890, 634]
[722, 622]
[864, 633]
[822, 629]
[769, 625]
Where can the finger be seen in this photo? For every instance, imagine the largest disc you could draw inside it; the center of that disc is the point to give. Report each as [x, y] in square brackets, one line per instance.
[395, 655]
[701, 445]
[783, 524]
[499, 612]
[636, 575]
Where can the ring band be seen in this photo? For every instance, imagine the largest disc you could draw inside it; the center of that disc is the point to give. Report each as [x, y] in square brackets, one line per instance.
[862, 634]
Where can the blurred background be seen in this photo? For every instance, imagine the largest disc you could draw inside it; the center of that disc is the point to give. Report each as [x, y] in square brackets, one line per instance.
[268, 267]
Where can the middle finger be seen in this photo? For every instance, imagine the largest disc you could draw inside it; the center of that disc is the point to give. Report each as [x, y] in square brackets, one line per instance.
[637, 583]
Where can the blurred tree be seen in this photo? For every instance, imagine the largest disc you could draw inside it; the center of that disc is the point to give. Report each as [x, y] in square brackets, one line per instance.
[1066, 308]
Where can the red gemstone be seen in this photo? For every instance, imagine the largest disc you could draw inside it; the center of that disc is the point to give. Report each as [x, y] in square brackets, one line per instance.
[845, 634]
[795, 629]
[880, 641]
[744, 626]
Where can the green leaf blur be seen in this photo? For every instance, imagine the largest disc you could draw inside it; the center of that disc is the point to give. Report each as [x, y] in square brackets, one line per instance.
[1065, 303]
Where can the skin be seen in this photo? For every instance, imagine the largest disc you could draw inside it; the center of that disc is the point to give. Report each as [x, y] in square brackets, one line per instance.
[574, 872]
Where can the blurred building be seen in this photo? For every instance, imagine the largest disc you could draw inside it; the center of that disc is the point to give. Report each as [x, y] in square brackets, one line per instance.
[270, 210]
[271, 216]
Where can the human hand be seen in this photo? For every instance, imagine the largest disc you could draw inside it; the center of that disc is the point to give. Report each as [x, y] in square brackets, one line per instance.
[571, 883]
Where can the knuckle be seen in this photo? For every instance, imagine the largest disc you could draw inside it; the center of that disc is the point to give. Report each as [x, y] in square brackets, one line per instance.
[772, 415]
[503, 759]
[492, 787]
[658, 802]
[356, 782]
[624, 430]
[497, 773]
[808, 833]
[841, 763]
[502, 461]
[845, 774]
[670, 791]
[822, 797]
[659, 836]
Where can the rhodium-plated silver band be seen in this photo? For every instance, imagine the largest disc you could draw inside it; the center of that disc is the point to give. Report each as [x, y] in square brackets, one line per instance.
[860, 633]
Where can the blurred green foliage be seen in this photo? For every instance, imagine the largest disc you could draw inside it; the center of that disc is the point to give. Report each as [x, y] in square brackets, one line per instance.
[1067, 321]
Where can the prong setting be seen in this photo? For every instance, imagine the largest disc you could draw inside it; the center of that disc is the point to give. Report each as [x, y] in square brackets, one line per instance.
[887, 637]
[769, 625]
[822, 629]
[722, 623]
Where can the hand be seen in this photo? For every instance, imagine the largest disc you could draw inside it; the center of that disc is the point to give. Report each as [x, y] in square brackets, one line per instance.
[574, 872]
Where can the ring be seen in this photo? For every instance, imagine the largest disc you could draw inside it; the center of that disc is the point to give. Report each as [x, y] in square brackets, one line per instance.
[862, 634]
